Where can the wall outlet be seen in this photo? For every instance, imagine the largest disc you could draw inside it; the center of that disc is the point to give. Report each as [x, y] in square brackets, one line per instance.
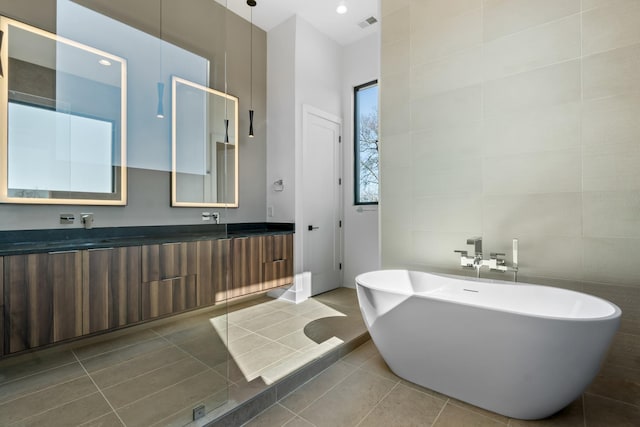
[198, 412]
[206, 216]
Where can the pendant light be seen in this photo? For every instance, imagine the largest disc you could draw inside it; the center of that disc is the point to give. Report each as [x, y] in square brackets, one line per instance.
[160, 107]
[252, 4]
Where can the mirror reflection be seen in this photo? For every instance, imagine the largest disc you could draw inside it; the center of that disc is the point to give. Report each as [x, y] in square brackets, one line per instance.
[76, 94]
[204, 145]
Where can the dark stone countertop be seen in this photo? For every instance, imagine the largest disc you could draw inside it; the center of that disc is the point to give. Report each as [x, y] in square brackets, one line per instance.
[17, 242]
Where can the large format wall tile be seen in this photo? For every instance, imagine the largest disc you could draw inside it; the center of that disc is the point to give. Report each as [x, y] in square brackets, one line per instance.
[536, 47]
[444, 37]
[395, 26]
[543, 172]
[609, 260]
[542, 88]
[446, 74]
[612, 214]
[611, 124]
[546, 129]
[448, 213]
[614, 72]
[610, 27]
[502, 17]
[447, 109]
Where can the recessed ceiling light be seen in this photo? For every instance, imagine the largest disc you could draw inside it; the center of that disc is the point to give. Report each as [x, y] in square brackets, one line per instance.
[104, 62]
[342, 8]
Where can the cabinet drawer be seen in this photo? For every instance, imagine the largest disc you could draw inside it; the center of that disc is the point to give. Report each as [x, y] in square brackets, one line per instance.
[277, 273]
[247, 266]
[278, 247]
[214, 270]
[168, 260]
[168, 296]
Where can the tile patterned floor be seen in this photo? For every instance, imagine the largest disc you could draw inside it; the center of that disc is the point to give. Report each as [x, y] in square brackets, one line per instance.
[360, 390]
[153, 375]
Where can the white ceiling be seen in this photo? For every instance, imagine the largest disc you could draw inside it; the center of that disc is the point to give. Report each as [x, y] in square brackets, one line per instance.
[321, 14]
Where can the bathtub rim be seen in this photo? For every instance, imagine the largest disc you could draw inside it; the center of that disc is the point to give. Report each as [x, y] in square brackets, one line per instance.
[617, 312]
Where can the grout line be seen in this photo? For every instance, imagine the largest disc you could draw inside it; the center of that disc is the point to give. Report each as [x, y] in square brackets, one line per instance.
[68, 380]
[98, 388]
[323, 394]
[612, 399]
[476, 412]
[377, 404]
[22, 378]
[435, 420]
[112, 350]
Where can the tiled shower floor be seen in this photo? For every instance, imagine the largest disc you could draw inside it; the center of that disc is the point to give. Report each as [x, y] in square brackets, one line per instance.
[157, 373]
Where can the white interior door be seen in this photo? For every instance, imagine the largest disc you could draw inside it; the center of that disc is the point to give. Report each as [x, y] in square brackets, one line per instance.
[322, 200]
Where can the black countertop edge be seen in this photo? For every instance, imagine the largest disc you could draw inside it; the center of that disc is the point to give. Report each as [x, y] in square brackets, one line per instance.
[17, 242]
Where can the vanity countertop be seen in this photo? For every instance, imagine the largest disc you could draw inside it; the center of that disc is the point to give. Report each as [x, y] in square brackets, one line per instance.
[16, 242]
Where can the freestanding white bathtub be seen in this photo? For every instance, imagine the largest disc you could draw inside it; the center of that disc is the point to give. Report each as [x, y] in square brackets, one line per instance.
[521, 350]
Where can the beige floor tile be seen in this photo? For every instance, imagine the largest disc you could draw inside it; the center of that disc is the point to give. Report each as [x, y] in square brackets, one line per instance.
[79, 411]
[617, 384]
[271, 318]
[236, 332]
[40, 380]
[122, 354]
[342, 327]
[184, 416]
[377, 365]
[297, 340]
[361, 354]
[406, 407]
[44, 400]
[211, 352]
[349, 401]
[29, 364]
[571, 416]
[109, 420]
[142, 386]
[167, 402]
[247, 343]
[277, 415]
[341, 296]
[497, 417]
[323, 311]
[111, 343]
[425, 390]
[604, 412]
[148, 362]
[243, 313]
[298, 422]
[313, 389]
[204, 330]
[455, 416]
[286, 327]
[259, 358]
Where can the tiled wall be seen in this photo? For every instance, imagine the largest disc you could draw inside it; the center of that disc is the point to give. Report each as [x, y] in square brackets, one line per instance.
[518, 118]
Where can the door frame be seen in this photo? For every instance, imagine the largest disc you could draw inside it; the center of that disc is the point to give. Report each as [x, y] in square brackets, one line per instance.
[301, 225]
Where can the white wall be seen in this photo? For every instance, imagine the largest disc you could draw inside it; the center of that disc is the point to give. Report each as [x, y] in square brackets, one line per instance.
[360, 64]
[301, 56]
[281, 127]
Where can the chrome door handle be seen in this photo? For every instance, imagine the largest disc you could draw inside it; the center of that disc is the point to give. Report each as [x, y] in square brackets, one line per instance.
[311, 228]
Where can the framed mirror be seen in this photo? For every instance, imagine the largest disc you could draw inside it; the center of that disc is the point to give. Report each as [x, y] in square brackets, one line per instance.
[204, 146]
[63, 120]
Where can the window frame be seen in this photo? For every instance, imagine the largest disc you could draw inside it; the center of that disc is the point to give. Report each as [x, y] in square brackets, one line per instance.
[356, 146]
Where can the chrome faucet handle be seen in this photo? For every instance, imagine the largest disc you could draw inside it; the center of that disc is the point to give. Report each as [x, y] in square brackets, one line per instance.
[462, 253]
[495, 255]
[477, 244]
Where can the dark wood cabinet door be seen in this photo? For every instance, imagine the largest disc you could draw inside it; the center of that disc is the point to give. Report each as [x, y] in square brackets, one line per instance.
[278, 261]
[214, 271]
[1, 306]
[168, 296]
[247, 266]
[111, 288]
[168, 261]
[43, 298]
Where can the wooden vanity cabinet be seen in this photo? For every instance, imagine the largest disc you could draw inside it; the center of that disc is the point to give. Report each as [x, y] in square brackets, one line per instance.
[278, 261]
[169, 273]
[214, 271]
[1, 306]
[43, 298]
[247, 266]
[111, 288]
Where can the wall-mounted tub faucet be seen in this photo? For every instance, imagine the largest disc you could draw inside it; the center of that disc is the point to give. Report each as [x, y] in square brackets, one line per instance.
[495, 262]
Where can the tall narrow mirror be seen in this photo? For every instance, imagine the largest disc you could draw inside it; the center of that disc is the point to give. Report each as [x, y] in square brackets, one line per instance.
[204, 146]
[76, 154]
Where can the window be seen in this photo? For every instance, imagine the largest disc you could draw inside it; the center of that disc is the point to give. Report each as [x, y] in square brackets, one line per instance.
[366, 144]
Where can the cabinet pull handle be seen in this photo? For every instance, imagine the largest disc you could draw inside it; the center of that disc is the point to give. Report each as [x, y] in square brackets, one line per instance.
[1, 70]
[74, 251]
[170, 243]
[100, 249]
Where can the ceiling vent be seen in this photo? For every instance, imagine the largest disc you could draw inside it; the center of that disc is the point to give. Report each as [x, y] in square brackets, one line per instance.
[367, 22]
